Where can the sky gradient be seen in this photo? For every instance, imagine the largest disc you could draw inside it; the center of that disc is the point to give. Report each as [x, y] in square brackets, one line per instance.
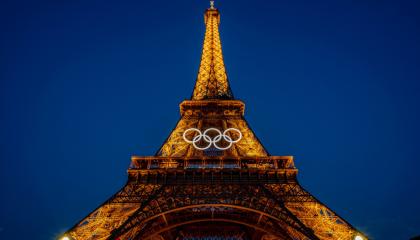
[86, 84]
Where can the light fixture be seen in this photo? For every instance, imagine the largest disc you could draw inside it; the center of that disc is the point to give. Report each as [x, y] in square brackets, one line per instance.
[358, 237]
[67, 238]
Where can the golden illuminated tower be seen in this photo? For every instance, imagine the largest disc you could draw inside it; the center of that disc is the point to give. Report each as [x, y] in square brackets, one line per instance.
[212, 177]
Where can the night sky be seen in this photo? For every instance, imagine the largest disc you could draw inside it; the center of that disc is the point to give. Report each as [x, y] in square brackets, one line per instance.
[86, 84]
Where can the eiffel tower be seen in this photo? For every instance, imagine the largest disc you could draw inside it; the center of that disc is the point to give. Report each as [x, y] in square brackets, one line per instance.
[212, 178]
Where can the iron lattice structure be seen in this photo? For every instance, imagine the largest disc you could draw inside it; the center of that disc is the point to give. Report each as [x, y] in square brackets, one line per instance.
[186, 193]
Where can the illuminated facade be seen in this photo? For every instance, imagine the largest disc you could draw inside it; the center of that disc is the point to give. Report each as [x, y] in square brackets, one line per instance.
[212, 177]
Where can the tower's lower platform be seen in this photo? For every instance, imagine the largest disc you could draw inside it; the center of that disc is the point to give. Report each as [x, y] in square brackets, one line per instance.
[244, 198]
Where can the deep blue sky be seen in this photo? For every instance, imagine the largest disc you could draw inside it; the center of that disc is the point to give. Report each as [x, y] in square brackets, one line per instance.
[86, 84]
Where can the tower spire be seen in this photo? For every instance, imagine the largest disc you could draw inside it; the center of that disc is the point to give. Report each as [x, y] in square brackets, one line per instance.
[212, 81]
[211, 4]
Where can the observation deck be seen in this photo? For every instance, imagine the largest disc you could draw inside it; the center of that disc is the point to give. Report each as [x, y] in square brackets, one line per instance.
[178, 170]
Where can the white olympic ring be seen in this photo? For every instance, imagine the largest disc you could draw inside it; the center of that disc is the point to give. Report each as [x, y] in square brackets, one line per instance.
[204, 136]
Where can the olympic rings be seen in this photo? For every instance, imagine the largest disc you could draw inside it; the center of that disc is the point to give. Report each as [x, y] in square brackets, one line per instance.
[204, 136]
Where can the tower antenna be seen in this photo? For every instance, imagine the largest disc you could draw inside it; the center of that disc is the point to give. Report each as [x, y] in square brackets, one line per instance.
[211, 4]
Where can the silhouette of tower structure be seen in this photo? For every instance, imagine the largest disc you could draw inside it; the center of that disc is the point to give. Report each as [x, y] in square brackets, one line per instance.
[212, 178]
